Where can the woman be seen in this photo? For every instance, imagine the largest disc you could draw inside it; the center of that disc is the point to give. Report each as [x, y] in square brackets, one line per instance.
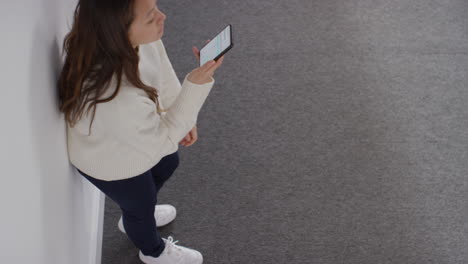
[116, 64]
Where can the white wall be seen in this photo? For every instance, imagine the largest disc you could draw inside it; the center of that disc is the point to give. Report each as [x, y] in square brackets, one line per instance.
[49, 213]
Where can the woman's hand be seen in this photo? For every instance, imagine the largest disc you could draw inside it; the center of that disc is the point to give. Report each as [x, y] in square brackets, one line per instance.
[204, 73]
[190, 138]
[197, 52]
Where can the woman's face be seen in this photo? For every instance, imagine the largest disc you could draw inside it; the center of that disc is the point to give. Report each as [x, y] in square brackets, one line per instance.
[148, 25]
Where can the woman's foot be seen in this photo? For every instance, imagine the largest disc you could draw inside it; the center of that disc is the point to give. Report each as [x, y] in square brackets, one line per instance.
[163, 214]
[173, 254]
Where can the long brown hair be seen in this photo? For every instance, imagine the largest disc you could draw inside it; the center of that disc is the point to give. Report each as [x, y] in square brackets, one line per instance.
[97, 47]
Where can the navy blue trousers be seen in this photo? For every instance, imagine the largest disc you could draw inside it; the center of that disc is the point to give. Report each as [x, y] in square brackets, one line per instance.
[137, 198]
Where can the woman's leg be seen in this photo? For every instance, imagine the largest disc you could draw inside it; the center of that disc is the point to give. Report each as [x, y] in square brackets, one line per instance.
[164, 169]
[136, 197]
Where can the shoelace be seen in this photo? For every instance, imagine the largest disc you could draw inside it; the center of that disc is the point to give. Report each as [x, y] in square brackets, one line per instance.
[171, 245]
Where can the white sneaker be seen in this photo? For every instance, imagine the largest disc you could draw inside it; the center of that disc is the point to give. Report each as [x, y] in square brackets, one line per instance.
[173, 254]
[163, 213]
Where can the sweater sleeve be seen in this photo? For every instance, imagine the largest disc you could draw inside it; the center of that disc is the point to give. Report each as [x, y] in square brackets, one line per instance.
[169, 79]
[166, 131]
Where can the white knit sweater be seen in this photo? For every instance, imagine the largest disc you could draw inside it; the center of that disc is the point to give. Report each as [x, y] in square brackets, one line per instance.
[128, 136]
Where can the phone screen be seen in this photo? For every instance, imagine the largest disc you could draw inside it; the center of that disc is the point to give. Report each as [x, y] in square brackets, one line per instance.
[217, 46]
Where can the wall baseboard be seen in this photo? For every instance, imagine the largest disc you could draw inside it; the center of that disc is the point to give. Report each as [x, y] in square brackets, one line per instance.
[97, 220]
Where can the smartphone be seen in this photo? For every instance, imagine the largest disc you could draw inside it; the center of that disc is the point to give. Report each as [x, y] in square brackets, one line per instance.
[217, 46]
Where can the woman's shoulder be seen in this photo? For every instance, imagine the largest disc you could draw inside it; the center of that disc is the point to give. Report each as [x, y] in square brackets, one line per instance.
[155, 48]
[152, 49]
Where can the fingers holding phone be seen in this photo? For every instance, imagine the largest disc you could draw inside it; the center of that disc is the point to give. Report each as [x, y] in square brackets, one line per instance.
[211, 68]
[211, 56]
[203, 74]
[197, 52]
[216, 47]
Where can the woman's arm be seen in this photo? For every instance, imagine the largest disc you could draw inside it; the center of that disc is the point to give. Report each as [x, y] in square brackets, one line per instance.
[169, 79]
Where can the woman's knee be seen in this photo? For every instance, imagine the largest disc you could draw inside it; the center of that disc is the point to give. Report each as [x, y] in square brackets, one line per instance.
[138, 213]
[140, 208]
[138, 194]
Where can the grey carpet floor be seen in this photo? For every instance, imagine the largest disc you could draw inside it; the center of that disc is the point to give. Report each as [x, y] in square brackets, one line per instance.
[336, 132]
